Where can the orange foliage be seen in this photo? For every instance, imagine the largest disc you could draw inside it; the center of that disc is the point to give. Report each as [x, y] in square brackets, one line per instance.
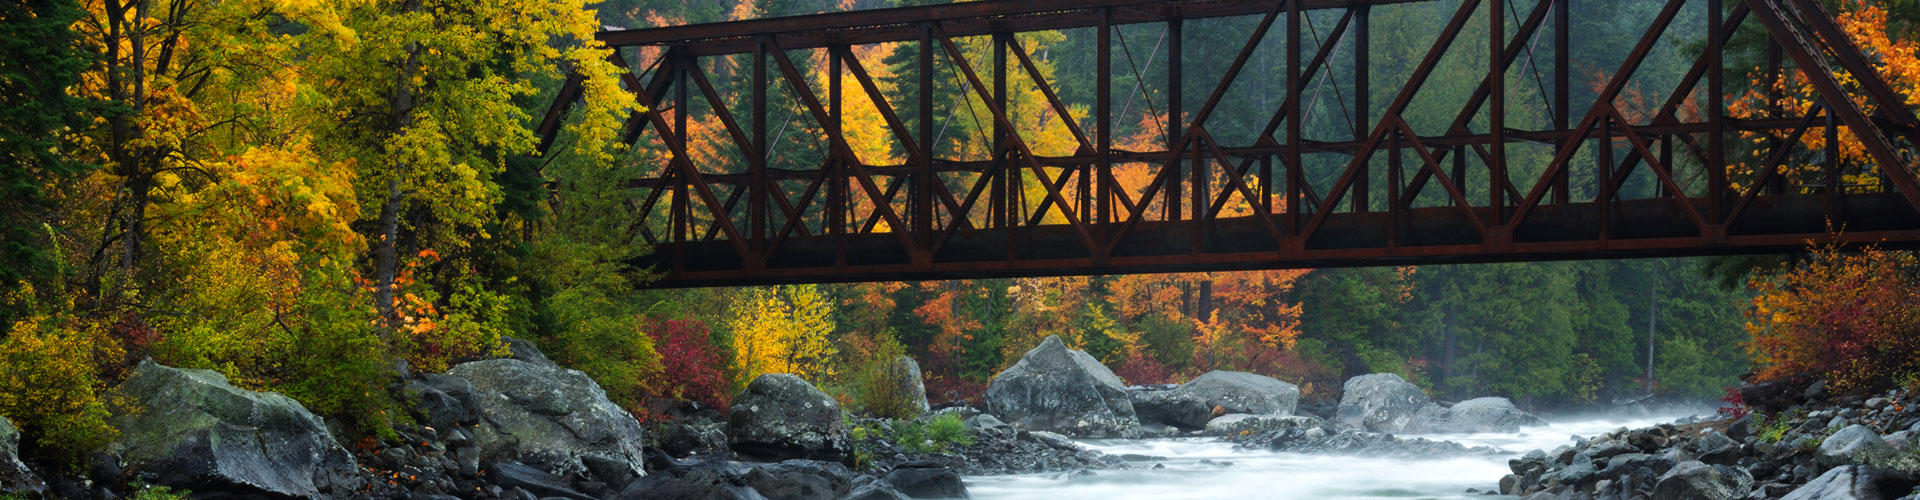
[1853, 318]
[1789, 94]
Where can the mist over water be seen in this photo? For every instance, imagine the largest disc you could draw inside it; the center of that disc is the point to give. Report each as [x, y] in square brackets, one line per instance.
[1270, 475]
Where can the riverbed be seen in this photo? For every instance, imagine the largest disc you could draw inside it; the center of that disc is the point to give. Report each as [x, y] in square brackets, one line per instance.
[1207, 469]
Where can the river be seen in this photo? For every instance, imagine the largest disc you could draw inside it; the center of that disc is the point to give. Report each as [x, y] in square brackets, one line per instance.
[1194, 470]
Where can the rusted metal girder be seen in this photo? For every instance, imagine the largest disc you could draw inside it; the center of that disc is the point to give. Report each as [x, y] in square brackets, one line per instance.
[1448, 197]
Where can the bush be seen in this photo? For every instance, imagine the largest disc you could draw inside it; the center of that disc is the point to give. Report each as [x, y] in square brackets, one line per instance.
[1850, 318]
[881, 386]
[49, 380]
[158, 493]
[692, 367]
[936, 435]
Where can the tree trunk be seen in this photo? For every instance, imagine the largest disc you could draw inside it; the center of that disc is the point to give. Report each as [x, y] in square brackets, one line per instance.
[1446, 360]
[386, 255]
[1653, 295]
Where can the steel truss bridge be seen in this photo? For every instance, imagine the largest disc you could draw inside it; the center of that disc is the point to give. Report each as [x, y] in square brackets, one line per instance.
[1721, 183]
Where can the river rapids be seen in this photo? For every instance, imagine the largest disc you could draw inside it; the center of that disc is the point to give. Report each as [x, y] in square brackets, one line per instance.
[1208, 469]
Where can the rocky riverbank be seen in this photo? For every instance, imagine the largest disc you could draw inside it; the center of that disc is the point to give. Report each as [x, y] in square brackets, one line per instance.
[522, 428]
[1800, 443]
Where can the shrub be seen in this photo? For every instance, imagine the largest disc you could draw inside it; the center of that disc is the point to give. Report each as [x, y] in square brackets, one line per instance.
[158, 493]
[1140, 367]
[1851, 318]
[936, 435]
[692, 367]
[881, 386]
[49, 380]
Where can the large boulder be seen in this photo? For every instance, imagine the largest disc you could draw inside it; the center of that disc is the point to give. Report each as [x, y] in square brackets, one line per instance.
[192, 429]
[1698, 481]
[1381, 402]
[925, 480]
[779, 416]
[1854, 445]
[15, 477]
[906, 373]
[1242, 392]
[1172, 408]
[1053, 388]
[556, 419]
[1854, 482]
[1474, 415]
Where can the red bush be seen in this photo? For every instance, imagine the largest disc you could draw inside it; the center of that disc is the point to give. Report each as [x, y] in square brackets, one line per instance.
[1851, 318]
[1140, 368]
[691, 368]
[945, 389]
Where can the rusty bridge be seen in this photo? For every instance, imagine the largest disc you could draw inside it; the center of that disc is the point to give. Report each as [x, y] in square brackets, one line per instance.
[1376, 190]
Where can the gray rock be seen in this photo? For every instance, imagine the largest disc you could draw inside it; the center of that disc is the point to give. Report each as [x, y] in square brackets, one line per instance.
[875, 490]
[1901, 441]
[702, 482]
[1381, 402]
[801, 480]
[682, 439]
[1173, 408]
[525, 351]
[1241, 424]
[1699, 481]
[1577, 472]
[1716, 448]
[933, 482]
[536, 481]
[1053, 388]
[1050, 439]
[1854, 482]
[1242, 392]
[435, 406]
[779, 416]
[192, 429]
[1488, 414]
[1854, 445]
[906, 372]
[548, 417]
[15, 477]
[988, 427]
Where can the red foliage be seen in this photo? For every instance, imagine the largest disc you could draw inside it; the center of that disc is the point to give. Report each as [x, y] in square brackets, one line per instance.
[1140, 368]
[949, 388]
[1736, 404]
[691, 367]
[1851, 318]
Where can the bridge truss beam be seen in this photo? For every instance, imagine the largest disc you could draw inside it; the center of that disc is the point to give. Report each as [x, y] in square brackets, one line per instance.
[1462, 194]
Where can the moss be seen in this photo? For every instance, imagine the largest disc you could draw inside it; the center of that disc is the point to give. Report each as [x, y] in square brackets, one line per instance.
[142, 492]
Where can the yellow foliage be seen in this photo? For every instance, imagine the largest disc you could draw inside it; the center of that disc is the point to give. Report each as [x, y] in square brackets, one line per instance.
[783, 329]
[49, 386]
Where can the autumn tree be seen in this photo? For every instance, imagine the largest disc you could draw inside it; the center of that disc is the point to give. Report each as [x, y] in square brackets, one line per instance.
[782, 329]
[1885, 32]
[425, 102]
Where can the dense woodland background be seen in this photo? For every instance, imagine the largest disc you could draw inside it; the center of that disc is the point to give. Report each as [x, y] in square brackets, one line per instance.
[308, 196]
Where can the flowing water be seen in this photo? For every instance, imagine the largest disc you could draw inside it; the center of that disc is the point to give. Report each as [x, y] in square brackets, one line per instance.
[1259, 474]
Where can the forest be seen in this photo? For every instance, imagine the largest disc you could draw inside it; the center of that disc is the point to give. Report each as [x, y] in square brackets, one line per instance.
[321, 197]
